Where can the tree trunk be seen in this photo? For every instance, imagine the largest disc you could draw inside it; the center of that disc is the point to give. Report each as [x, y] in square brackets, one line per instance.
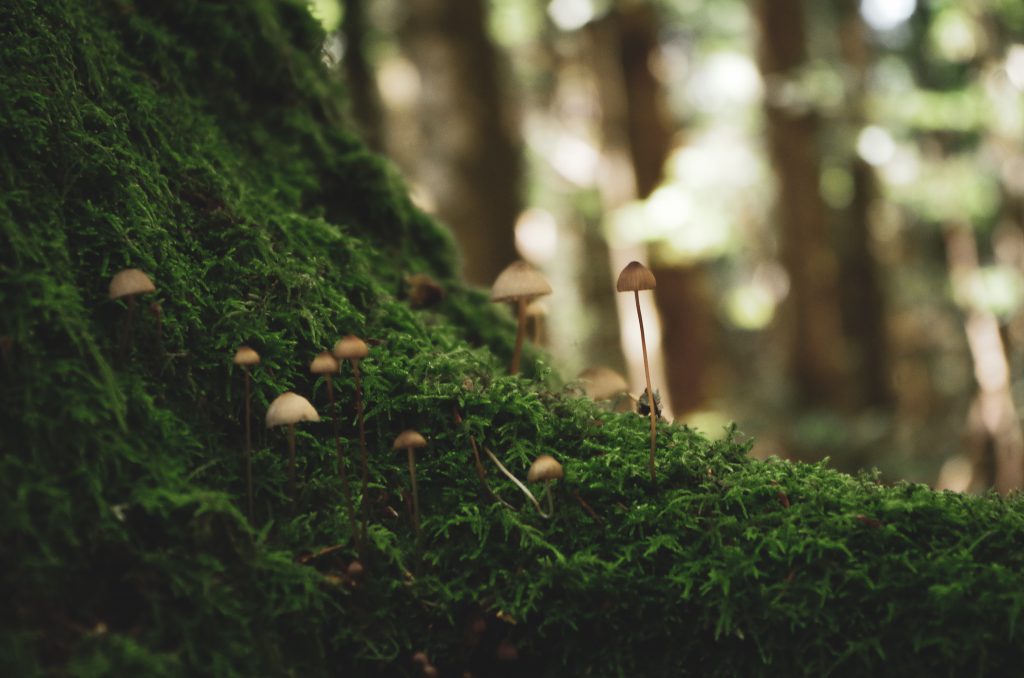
[816, 343]
[366, 105]
[863, 303]
[470, 156]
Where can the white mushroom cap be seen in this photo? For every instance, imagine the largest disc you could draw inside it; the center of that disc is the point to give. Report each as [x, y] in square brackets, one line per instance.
[519, 281]
[324, 363]
[350, 347]
[246, 356]
[290, 408]
[544, 467]
[129, 282]
[602, 383]
[634, 277]
[409, 438]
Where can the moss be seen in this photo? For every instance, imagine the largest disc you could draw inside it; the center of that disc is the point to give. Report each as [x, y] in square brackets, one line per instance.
[205, 143]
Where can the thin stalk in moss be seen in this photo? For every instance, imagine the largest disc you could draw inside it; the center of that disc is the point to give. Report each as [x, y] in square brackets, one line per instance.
[354, 349]
[326, 365]
[289, 409]
[246, 357]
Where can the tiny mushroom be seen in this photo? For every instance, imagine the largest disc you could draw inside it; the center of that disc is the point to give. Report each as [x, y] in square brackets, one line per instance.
[245, 358]
[536, 311]
[410, 440]
[520, 283]
[354, 349]
[129, 284]
[634, 278]
[289, 409]
[326, 365]
[546, 468]
[602, 383]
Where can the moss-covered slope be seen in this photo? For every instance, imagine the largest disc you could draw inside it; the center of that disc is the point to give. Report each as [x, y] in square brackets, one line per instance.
[202, 142]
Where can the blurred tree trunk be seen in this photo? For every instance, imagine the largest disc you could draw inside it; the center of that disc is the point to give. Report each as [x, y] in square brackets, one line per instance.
[471, 150]
[994, 431]
[816, 342]
[637, 137]
[359, 74]
[863, 302]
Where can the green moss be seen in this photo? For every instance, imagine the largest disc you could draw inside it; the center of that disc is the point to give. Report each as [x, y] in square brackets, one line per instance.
[205, 143]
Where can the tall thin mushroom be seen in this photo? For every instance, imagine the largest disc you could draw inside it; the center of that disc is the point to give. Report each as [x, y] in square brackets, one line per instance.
[410, 440]
[289, 409]
[245, 358]
[326, 365]
[519, 283]
[633, 278]
[129, 284]
[354, 349]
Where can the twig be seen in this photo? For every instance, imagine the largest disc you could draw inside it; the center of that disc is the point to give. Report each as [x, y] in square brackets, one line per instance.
[478, 464]
[519, 484]
[586, 507]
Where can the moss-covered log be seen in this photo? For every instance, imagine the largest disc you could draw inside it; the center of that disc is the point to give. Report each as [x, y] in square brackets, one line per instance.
[204, 143]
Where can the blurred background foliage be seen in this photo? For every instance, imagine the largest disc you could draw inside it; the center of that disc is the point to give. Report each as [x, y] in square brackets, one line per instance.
[831, 195]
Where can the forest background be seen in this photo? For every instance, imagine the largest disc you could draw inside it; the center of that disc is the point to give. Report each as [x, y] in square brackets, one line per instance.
[831, 195]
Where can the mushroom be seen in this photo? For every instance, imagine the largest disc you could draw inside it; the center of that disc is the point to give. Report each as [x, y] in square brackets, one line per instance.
[423, 291]
[536, 311]
[325, 365]
[411, 440]
[354, 349]
[546, 468]
[128, 284]
[633, 278]
[289, 409]
[245, 358]
[520, 283]
[602, 383]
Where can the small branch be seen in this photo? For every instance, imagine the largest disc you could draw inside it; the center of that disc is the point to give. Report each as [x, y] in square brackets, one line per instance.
[587, 508]
[519, 484]
[478, 464]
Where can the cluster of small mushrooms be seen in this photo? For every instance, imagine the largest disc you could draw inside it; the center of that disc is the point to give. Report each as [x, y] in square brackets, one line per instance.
[519, 283]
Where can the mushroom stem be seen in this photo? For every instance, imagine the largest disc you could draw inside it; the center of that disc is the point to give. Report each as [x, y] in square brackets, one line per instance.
[520, 332]
[519, 484]
[126, 332]
[650, 390]
[248, 440]
[291, 461]
[362, 446]
[415, 494]
[551, 498]
[345, 489]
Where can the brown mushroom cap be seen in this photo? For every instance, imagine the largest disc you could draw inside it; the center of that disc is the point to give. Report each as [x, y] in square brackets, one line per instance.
[544, 467]
[536, 308]
[324, 363]
[519, 281]
[350, 347]
[635, 277]
[409, 438]
[602, 383]
[129, 282]
[290, 408]
[246, 357]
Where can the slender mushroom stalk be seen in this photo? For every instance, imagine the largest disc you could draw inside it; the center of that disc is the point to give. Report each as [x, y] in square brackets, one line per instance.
[536, 311]
[410, 440]
[245, 357]
[326, 365]
[519, 283]
[546, 468]
[129, 284]
[354, 349]
[289, 409]
[633, 278]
